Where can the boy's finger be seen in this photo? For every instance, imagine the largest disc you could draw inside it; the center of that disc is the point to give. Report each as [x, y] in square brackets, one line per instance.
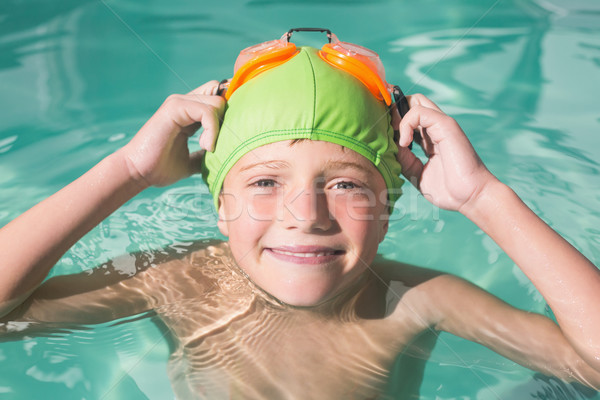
[207, 89]
[406, 135]
[179, 109]
[191, 129]
[188, 114]
[422, 113]
[212, 124]
[419, 99]
[442, 134]
[437, 124]
[216, 102]
[208, 138]
[425, 142]
[412, 167]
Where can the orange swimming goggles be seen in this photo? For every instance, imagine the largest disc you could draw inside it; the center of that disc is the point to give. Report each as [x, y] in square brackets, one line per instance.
[360, 62]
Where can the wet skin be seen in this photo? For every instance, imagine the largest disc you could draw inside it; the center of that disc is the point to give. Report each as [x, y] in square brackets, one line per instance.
[232, 339]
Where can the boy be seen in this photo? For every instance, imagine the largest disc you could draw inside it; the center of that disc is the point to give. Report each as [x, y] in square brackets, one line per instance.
[304, 173]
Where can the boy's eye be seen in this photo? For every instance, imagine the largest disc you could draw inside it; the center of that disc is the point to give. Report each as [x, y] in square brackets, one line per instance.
[345, 185]
[265, 183]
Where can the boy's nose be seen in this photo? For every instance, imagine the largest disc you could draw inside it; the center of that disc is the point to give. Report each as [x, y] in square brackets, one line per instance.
[307, 210]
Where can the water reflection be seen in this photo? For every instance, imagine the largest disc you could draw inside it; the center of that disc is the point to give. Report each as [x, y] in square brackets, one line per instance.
[74, 361]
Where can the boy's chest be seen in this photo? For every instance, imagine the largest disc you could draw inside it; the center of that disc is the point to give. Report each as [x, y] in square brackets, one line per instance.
[273, 354]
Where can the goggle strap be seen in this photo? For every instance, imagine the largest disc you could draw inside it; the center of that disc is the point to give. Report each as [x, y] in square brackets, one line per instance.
[402, 105]
[400, 100]
[223, 85]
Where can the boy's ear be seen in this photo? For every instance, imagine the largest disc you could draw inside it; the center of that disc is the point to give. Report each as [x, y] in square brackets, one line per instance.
[221, 223]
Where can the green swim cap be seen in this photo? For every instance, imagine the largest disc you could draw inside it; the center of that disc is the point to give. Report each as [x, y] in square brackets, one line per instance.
[304, 98]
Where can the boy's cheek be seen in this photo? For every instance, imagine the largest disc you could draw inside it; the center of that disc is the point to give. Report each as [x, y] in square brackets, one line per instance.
[262, 206]
[232, 208]
[223, 228]
[362, 215]
[356, 207]
[239, 211]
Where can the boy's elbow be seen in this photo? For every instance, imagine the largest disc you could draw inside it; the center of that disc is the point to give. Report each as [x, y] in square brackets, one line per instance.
[8, 306]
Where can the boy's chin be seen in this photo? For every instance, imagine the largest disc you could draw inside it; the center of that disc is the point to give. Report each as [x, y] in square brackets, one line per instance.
[306, 291]
[304, 298]
[298, 299]
[303, 303]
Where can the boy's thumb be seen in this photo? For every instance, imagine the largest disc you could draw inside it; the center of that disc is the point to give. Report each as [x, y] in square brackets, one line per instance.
[412, 167]
[207, 138]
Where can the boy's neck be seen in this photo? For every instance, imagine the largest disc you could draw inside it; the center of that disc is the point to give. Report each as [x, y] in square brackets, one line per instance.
[353, 300]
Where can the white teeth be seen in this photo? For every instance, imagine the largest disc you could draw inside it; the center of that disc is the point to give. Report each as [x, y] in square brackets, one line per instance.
[306, 255]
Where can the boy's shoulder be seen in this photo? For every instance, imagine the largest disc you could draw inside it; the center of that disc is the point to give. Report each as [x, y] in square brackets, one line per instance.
[196, 255]
[408, 274]
[418, 293]
[204, 263]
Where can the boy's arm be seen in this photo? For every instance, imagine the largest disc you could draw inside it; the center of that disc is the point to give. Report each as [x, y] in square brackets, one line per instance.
[32, 243]
[451, 304]
[158, 155]
[106, 293]
[432, 300]
[569, 282]
[454, 178]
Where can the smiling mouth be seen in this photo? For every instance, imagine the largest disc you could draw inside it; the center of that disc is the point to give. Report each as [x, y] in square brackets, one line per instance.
[305, 254]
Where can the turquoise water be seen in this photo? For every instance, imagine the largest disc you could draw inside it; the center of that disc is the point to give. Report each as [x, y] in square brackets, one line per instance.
[78, 78]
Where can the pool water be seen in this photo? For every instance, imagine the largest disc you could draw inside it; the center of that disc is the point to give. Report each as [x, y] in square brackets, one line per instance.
[78, 78]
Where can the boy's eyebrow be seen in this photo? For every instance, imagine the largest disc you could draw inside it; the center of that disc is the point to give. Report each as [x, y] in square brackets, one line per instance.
[329, 165]
[273, 164]
[346, 164]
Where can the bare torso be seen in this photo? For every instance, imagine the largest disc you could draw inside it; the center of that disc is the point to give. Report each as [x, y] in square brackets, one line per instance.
[232, 340]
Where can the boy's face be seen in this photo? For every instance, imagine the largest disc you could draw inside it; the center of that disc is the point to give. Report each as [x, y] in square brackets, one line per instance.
[304, 220]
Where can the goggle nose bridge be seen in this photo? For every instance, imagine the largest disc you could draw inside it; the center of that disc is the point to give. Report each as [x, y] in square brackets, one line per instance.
[289, 33]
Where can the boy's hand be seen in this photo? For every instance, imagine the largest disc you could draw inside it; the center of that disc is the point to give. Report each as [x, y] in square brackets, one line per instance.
[158, 155]
[454, 175]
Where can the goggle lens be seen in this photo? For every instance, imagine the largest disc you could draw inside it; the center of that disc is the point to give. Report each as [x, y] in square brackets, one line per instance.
[252, 52]
[362, 63]
[364, 55]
